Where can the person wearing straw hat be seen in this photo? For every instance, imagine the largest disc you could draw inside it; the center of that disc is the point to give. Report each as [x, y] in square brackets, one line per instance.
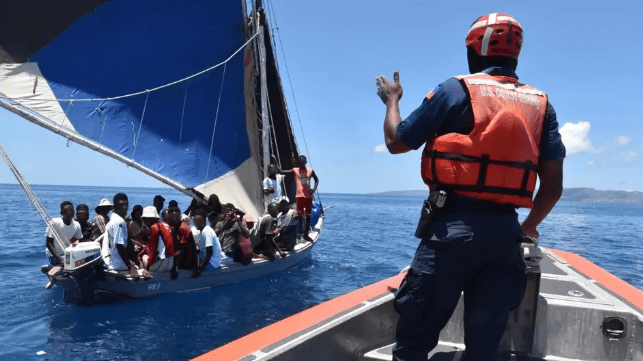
[102, 218]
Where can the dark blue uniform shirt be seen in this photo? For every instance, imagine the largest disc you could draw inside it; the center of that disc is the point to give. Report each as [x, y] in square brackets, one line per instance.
[449, 111]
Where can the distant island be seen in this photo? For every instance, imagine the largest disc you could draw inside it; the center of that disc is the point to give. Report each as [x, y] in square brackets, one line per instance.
[587, 195]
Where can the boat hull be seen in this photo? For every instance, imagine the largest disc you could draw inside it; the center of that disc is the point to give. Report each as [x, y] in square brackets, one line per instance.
[79, 286]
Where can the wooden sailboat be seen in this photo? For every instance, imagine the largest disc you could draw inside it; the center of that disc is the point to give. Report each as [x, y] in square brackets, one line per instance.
[188, 93]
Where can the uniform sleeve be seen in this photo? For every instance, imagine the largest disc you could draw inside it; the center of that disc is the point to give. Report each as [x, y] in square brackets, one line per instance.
[444, 110]
[551, 143]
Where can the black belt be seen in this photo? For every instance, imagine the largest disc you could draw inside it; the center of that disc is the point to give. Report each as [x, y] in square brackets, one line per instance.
[463, 205]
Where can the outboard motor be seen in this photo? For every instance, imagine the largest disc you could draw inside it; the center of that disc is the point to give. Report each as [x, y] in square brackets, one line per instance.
[76, 277]
[81, 260]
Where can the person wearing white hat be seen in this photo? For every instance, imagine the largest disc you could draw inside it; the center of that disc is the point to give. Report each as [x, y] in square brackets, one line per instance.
[158, 255]
[102, 218]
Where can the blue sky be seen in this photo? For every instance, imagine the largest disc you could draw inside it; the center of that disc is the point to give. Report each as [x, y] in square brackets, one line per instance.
[587, 59]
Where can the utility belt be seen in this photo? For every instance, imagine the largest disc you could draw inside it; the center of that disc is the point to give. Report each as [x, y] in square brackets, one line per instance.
[443, 202]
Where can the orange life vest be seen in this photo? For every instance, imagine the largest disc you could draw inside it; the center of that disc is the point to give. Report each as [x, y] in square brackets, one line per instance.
[498, 160]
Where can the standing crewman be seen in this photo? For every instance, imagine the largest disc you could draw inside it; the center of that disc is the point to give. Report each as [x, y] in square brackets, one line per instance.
[487, 137]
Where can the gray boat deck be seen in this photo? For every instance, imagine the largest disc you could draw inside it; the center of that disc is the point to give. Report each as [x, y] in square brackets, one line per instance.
[565, 316]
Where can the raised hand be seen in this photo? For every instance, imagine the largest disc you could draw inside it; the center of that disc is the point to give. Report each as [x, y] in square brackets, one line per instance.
[387, 90]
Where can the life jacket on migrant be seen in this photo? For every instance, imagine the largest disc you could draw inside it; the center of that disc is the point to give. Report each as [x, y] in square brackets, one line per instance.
[498, 160]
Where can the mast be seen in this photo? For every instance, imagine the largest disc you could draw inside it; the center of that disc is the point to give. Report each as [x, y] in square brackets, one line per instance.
[265, 130]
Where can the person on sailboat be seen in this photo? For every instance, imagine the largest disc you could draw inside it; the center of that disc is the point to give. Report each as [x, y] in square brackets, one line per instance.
[137, 232]
[114, 247]
[487, 138]
[183, 240]
[272, 184]
[209, 245]
[268, 231]
[158, 255]
[287, 226]
[70, 230]
[303, 176]
[159, 203]
[82, 217]
[102, 218]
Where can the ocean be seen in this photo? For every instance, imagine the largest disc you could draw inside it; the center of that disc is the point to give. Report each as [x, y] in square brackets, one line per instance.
[366, 238]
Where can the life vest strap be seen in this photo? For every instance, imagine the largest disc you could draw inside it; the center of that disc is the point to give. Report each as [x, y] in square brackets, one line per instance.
[480, 186]
[529, 165]
[484, 189]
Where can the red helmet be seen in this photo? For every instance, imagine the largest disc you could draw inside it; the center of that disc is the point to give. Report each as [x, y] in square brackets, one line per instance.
[496, 34]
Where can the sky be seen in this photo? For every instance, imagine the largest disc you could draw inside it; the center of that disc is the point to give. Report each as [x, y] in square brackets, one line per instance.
[586, 58]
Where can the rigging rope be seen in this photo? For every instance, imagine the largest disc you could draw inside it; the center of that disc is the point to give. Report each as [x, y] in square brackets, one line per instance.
[58, 237]
[283, 54]
[207, 171]
[153, 89]
[138, 135]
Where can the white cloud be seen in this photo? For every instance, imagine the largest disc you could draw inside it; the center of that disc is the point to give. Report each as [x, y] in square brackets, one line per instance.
[576, 138]
[590, 162]
[628, 156]
[623, 140]
[381, 148]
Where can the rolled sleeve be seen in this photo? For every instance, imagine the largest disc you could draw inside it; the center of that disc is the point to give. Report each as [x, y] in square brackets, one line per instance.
[448, 101]
[551, 143]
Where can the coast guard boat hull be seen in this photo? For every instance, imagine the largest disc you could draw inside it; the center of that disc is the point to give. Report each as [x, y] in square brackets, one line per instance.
[80, 287]
[572, 310]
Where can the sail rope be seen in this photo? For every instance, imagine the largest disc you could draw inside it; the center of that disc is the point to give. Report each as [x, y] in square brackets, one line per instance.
[207, 171]
[147, 91]
[283, 54]
[40, 208]
[185, 99]
[274, 47]
[276, 146]
[138, 135]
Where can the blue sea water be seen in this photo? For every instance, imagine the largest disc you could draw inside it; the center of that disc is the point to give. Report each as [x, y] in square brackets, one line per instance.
[366, 238]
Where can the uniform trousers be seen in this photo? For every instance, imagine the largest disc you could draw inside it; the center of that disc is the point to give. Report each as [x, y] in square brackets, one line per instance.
[472, 249]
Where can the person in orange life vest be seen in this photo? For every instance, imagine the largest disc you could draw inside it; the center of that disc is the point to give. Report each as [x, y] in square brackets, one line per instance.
[303, 176]
[487, 137]
[183, 241]
[158, 254]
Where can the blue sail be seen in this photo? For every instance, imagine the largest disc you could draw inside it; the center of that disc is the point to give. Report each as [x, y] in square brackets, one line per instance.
[127, 79]
[124, 47]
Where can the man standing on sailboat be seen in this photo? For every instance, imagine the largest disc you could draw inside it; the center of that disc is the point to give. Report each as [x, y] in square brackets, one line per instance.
[303, 177]
[487, 136]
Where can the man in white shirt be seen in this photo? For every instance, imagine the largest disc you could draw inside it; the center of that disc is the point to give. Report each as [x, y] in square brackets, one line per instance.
[69, 229]
[208, 243]
[272, 185]
[114, 247]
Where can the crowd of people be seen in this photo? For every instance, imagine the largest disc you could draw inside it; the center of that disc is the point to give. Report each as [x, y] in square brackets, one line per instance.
[203, 237]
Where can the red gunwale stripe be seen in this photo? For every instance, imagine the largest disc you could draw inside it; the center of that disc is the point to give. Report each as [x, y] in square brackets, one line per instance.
[623, 289]
[295, 323]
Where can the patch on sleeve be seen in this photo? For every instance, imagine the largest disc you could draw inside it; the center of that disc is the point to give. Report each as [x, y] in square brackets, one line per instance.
[430, 95]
